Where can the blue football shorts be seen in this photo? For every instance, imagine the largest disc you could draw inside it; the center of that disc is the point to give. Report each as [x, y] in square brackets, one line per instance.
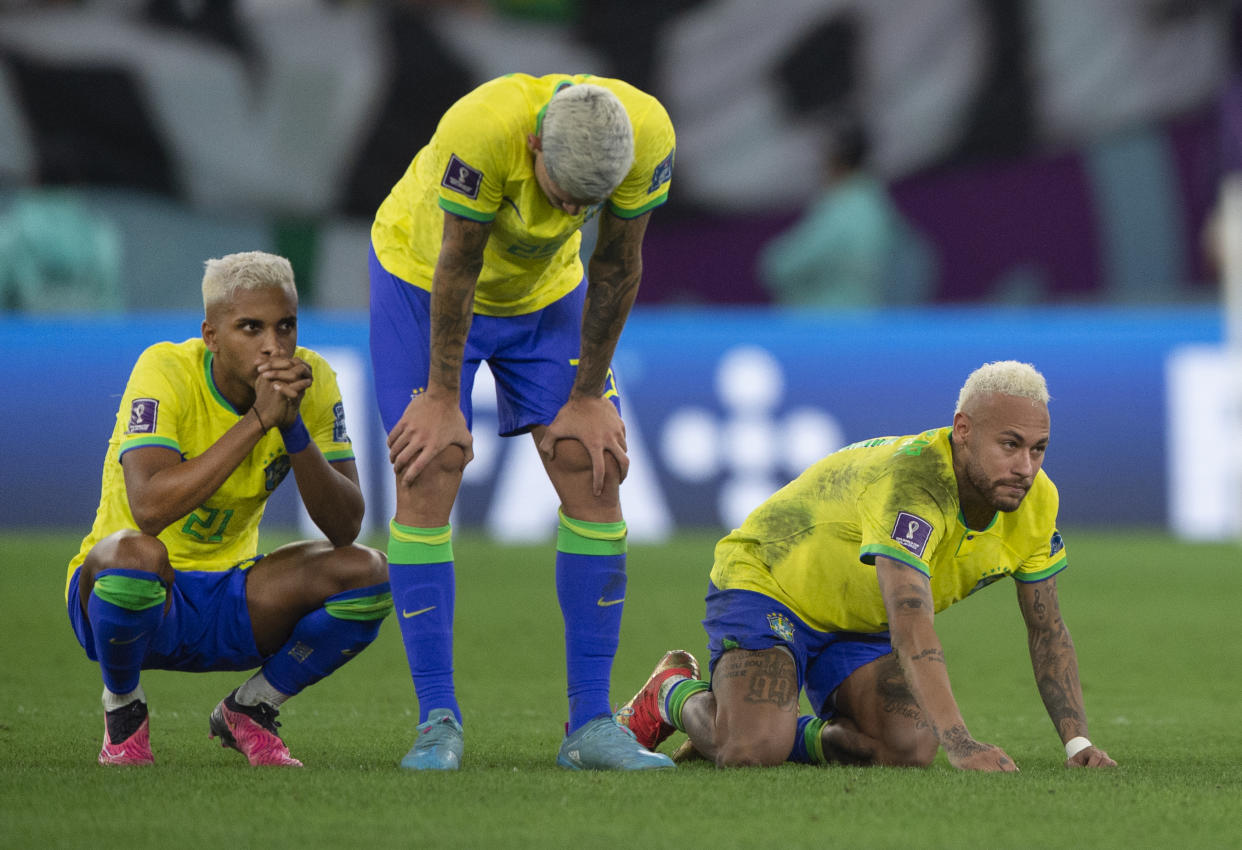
[533, 357]
[207, 626]
[744, 619]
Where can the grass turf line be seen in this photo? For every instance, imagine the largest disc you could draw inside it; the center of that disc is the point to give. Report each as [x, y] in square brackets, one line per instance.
[1153, 620]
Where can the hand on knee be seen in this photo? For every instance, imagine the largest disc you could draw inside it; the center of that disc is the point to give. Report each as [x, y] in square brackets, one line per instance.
[573, 478]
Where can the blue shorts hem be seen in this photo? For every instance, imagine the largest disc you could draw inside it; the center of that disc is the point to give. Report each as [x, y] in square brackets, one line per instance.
[753, 621]
[207, 627]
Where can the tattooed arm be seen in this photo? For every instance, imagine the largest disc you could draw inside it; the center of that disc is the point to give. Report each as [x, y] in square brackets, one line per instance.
[613, 275]
[1056, 667]
[433, 420]
[908, 601]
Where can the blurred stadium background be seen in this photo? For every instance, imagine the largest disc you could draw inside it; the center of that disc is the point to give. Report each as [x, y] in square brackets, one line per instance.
[1061, 164]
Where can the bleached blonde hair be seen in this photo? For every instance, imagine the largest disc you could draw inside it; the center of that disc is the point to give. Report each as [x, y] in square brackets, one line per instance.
[250, 270]
[587, 141]
[1008, 377]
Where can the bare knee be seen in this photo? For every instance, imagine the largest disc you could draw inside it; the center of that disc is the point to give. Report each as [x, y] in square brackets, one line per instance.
[916, 747]
[764, 751]
[572, 458]
[428, 500]
[450, 461]
[359, 566]
[128, 549]
[916, 750]
[573, 477]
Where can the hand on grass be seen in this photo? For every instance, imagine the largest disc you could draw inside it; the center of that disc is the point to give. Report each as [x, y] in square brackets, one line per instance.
[1090, 757]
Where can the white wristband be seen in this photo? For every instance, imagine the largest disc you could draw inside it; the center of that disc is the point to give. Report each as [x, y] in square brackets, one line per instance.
[1074, 746]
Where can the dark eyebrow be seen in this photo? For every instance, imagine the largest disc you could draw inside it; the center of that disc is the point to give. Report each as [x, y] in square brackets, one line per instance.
[1021, 438]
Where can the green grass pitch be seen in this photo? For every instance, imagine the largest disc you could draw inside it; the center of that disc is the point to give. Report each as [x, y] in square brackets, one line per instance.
[1155, 622]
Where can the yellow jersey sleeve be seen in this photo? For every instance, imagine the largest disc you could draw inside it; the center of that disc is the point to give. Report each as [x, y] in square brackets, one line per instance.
[646, 185]
[1043, 551]
[475, 149]
[149, 414]
[905, 524]
[323, 411]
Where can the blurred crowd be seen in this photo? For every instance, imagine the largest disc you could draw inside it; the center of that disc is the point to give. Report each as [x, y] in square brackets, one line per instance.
[832, 154]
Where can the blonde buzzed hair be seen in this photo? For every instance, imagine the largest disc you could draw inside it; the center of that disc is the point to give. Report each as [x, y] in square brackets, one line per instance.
[1008, 377]
[587, 141]
[247, 271]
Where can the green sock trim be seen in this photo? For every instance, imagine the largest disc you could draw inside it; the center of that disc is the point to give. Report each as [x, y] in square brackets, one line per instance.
[134, 594]
[408, 545]
[814, 743]
[579, 537]
[375, 607]
[681, 692]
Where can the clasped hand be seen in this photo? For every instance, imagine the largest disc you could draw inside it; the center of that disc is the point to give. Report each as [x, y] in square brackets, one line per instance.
[278, 390]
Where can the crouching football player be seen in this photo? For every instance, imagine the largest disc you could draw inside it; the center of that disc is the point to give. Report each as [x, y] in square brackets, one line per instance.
[169, 578]
[830, 588]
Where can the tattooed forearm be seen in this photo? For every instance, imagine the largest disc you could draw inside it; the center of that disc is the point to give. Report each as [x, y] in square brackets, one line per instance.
[608, 302]
[1056, 675]
[933, 654]
[613, 274]
[1040, 608]
[452, 297]
[607, 306]
[450, 325]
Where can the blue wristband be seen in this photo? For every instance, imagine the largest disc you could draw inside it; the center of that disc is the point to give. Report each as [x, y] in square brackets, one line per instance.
[296, 436]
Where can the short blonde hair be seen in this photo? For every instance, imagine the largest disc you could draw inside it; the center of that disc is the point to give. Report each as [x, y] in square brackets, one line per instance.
[1008, 377]
[250, 270]
[587, 141]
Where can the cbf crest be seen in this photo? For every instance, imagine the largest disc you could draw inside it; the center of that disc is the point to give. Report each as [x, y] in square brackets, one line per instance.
[275, 471]
[781, 625]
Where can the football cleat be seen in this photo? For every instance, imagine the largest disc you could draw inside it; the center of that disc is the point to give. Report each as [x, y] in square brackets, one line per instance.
[641, 715]
[440, 743]
[127, 735]
[251, 730]
[602, 744]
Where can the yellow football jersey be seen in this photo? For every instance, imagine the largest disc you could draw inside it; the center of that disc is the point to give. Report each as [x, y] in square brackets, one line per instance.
[477, 165]
[171, 401]
[813, 544]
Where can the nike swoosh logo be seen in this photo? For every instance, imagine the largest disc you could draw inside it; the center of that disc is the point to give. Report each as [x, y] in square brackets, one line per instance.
[604, 603]
[116, 642]
[409, 614]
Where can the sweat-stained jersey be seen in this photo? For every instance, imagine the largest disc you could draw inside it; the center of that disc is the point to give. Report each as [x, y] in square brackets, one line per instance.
[813, 544]
[478, 166]
[171, 401]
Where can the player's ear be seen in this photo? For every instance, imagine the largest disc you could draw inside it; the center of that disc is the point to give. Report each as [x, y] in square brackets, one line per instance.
[209, 337]
[961, 426]
[534, 143]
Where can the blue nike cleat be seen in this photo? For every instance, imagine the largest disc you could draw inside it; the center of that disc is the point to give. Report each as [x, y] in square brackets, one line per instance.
[601, 744]
[439, 745]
